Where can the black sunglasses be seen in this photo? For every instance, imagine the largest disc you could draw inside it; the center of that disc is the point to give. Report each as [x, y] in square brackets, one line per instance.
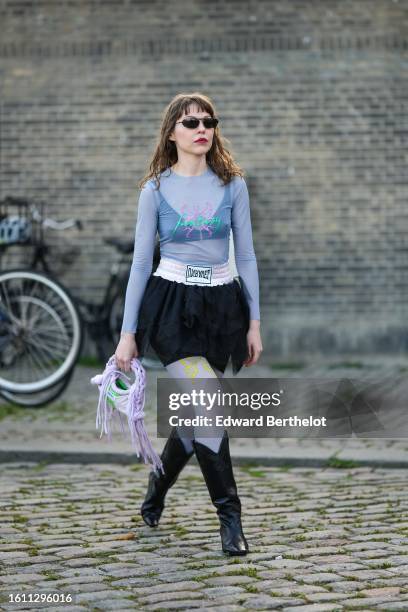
[192, 122]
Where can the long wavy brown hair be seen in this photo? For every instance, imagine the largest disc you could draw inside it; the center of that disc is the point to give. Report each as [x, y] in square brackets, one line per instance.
[165, 155]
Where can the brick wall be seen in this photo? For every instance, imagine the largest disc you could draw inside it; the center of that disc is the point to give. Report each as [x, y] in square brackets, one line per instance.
[312, 96]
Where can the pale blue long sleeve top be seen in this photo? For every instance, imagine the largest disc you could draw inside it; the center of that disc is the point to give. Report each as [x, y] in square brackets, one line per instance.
[194, 216]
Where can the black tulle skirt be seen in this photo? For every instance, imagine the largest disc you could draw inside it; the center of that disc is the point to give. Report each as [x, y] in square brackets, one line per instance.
[178, 320]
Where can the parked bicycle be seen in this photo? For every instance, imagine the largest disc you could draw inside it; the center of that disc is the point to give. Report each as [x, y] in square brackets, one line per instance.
[40, 326]
[41, 322]
[104, 319]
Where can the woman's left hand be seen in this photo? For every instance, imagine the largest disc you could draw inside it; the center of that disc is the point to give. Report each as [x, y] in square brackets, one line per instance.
[254, 343]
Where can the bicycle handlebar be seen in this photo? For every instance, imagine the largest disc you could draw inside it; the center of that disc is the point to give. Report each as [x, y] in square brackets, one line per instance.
[12, 200]
[52, 223]
[37, 216]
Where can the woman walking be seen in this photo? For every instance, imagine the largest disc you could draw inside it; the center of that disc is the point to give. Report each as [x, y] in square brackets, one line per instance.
[191, 311]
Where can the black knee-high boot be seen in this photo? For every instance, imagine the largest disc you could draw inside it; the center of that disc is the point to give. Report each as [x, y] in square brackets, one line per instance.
[174, 457]
[219, 478]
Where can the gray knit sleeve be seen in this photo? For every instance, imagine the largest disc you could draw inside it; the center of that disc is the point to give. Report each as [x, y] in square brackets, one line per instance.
[245, 258]
[142, 263]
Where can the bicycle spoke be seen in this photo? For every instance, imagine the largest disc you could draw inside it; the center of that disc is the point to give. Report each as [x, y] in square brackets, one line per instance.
[52, 349]
[51, 340]
[23, 308]
[35, 359]
[43, 314]
[36, 349]
[8, 305]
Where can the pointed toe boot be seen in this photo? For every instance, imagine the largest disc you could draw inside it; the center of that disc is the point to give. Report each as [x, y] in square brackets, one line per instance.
[219, 478]
[174, 457]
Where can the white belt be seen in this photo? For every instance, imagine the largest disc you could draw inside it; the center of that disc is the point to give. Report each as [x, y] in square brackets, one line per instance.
[194, 274]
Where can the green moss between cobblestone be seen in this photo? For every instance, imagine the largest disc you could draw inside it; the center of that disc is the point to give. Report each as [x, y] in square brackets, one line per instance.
[196, 566]
[191, 478]
[384, 565]
[136, 467]
[250, 588]
[300, 538]
[297, 594]
[336, 462]
[20, 528]
[24, 491]
[253, 472]
[252, 572]
[135, 519]
[205, 577]
[19, 518]
[35, 482]
[41, 465]
[102, 554]
[70, 508]
[50, 575]
[133, 496]
[109, 580]
[180, 530]
[323, 584]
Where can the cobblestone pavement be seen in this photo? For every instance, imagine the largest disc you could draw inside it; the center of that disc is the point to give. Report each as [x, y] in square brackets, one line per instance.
[67, 426]
[320, 539]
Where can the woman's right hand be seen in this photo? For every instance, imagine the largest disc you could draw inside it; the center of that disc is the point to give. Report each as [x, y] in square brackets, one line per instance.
[125, 351]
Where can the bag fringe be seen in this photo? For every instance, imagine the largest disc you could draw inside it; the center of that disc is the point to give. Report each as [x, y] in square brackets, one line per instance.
[134, 410]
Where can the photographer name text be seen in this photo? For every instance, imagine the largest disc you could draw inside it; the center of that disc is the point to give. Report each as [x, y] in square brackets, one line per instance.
[269, 420]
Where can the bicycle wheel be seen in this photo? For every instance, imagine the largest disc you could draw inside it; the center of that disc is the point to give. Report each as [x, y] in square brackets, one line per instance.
[39, 398]
[40, 331]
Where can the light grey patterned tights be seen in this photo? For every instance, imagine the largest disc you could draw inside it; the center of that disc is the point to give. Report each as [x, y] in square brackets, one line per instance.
[191, 368]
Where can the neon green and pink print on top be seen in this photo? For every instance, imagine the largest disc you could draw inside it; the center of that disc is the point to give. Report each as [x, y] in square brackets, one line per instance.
[194, 216]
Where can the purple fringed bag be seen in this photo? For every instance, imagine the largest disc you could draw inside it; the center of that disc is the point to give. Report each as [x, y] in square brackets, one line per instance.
[114, 399]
